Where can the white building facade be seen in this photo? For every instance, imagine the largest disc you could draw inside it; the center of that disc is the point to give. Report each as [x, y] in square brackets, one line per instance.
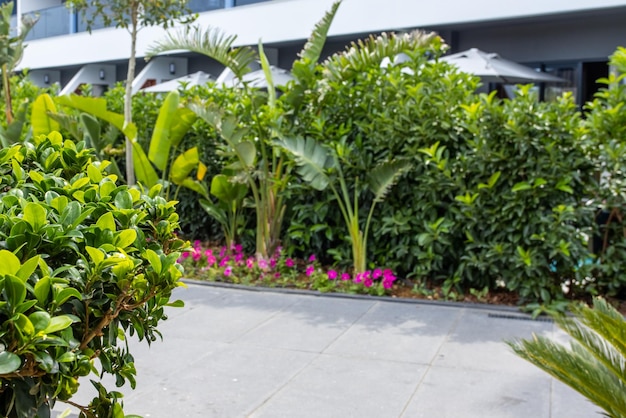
[570, 38]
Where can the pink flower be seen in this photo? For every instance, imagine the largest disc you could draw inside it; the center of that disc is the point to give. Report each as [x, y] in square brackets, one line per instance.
[222, 252]
[210, 260]
[368, 282]
[250, 262]
[310, 270]
[345, 276]
[312, 258]
[228, 271]
[272, 262]
[387, 284]
[186, 254]
[332, 274]
[289, 262]
[277, 275]
[238, 258]
[238, 248]
[358, 278]
[196, 256]
[197, 243]
[262, 263]
[377, 273]
[208, 252]
[224, 261]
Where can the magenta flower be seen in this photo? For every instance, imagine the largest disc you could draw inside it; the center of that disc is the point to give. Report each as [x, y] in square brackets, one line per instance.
[272, 262]
[310, 270]
[377, 273]
[332, 274]
[387, 284]
[224, 261]
[208, 252]
[228, 271]
[186, 254]
[250, 262]
[277, 275]
[345, 276]
[368, 282]
[222, 252]
[262, 263]
[238, 258]
[312, 258]
[358, 278]
[196, 256]
[210, 260]
[197, 243]
[238, 248]
[289, 262]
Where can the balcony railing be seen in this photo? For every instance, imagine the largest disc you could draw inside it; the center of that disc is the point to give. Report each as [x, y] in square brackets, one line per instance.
[59, 20]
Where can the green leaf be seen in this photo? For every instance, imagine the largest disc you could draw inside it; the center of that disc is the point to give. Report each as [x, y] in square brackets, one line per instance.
[183, 165]
[382, 178]
[228, 191]
[144, 171]
[246, 151]
[15, 291]
[42, 290]
[183, 119]
[28, 268]
[65, 294]
[154, 260]
[91, 132]
[107, 221]
[35, 215]
[176, 304]
[521, 186]
[9, 362]
[125, 238]
[94, 173]
[124, 200]
[40, 320]
[161, 143]
[96, 255]
[213, 210]
[313, 48]
[10, 263]
[41, 122]
[58, 323]
[313, 160]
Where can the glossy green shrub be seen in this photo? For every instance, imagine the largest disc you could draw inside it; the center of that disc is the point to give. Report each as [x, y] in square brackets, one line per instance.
[84, 263]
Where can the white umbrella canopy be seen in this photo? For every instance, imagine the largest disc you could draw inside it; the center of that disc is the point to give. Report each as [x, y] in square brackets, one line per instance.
[196, 79]
[256, 79]
[490, 67]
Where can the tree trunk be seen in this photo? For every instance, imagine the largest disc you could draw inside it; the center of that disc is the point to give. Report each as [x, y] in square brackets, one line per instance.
[128, 97]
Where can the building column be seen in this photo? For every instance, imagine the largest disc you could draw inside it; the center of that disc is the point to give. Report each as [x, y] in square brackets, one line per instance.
[229, 3]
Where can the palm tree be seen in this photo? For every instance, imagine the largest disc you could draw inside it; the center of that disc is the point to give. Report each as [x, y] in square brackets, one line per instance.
[595, 363]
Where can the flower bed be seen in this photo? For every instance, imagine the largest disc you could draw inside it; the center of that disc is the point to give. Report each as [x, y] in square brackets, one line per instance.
[231, 265]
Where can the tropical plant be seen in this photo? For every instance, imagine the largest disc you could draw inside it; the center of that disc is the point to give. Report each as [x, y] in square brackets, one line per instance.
[132, 15]
[12, 48]
[319, 166]
[594, 364]
[86, 264]
[227, 210]
[251, 146]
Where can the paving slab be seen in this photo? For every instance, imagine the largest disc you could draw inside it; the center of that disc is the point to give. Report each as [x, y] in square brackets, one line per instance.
[240, 353]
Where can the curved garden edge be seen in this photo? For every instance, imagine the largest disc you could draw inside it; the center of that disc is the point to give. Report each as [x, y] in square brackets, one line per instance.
[415, 301]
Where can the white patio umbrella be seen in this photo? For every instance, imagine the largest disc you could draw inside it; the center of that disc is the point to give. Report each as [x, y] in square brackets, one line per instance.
[196, 79]
[257, 79]
[491, 67]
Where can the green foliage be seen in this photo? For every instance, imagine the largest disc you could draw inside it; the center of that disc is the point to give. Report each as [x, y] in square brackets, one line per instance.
[605, 139]
[85, 263]
[594, 363]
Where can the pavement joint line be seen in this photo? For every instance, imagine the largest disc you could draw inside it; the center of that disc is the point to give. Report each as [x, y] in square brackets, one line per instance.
[429, 366]
[314, 293]
[349, 327]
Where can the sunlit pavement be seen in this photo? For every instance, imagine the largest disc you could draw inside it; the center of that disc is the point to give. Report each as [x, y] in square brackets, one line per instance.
[241, 353]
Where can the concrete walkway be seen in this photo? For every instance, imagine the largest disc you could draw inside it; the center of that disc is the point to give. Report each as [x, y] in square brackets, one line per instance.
[239, 353]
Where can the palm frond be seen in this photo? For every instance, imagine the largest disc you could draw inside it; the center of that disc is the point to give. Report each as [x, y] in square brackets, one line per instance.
[212, 43]
[312, 158]
[594, 365]
[382, 178]
[370, 52]
[312, 49]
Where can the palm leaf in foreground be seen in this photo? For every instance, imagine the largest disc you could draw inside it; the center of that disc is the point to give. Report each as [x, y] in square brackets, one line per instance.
[594, 364]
